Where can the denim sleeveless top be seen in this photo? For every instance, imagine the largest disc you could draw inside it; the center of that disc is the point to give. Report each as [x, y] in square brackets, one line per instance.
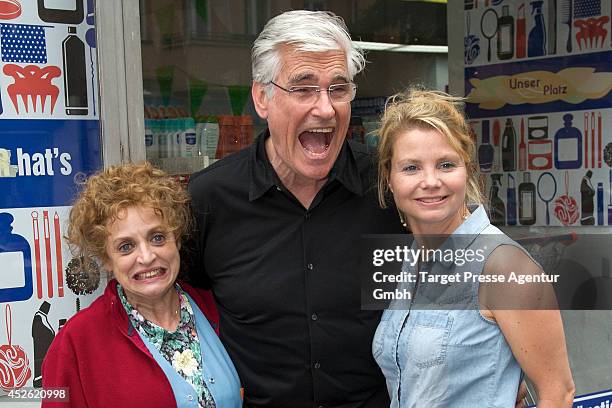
[449, 357]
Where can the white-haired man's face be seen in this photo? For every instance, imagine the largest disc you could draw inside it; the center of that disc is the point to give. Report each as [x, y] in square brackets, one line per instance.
[305, 138]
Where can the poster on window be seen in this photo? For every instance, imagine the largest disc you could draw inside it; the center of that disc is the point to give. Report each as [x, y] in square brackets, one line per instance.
[49, 144]
[538, 83]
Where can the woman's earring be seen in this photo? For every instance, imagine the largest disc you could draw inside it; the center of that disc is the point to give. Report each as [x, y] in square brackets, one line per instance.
[401, 216]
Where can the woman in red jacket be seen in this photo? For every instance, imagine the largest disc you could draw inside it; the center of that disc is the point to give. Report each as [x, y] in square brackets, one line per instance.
[147, 341]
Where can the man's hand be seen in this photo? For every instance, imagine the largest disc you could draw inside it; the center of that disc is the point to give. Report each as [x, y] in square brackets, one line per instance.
[520, 397]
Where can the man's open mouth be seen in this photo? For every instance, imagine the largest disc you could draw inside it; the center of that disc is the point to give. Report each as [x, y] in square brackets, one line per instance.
[316, 141]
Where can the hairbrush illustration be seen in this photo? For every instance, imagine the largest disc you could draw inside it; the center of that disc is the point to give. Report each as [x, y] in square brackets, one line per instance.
[82, 277]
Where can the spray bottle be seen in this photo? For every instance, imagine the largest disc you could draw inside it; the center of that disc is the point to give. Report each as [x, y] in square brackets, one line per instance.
[536, 45]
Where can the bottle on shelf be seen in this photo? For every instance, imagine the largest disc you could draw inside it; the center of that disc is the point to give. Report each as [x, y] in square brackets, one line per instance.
[151, 139]
[189, 141]
[162, 137]
[208, 129]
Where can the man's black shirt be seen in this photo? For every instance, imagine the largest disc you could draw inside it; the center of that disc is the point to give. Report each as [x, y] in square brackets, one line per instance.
[285, 278]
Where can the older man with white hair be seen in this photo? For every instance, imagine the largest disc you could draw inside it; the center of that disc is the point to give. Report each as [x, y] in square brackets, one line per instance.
[279, 224]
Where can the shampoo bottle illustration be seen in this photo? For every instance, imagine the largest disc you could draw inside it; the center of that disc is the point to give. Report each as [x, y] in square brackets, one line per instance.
[509, 147]
[600, 204]
[496, 204]
[522, 150]
[587, 194]
[505, 35]
[568, 145]
[527, 201]
[521, 32]
[536, 45]
[511, 200]
[42, 336]
[485, 151]
[16, 260]
[75, 74]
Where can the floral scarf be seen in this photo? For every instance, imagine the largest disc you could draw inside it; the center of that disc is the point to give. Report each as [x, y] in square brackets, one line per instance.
[181, 348]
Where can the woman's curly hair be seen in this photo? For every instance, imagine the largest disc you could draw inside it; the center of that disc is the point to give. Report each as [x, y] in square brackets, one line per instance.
[110, 191]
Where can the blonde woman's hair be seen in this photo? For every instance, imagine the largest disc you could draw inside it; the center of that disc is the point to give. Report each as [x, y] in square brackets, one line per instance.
[427, 109]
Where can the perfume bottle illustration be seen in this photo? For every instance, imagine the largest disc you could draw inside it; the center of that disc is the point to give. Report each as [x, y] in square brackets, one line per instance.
[75, 74]
[527, 201]
[568, 145]
[16, 260]
[505, 35]
[509, 147]
[511, 200]
[485, 150]
[587, 205]
[496, 204]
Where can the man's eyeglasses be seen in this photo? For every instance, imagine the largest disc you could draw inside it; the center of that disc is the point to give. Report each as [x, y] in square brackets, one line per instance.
[309, 94]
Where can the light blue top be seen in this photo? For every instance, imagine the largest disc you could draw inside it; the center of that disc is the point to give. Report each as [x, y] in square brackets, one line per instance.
[448, 357]
[218, 370]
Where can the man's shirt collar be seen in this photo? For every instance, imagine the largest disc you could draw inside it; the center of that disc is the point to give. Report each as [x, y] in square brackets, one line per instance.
[263, 176]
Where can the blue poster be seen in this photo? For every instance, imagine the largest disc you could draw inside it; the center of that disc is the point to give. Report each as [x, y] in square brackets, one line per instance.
[50, 142]
[43, 161]
[538, 88]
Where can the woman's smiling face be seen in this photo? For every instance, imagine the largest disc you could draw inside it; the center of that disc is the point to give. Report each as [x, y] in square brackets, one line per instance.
[428, 181]
[143, 255]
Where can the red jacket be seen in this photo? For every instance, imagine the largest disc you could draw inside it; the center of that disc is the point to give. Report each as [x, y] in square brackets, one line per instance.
[103, 361]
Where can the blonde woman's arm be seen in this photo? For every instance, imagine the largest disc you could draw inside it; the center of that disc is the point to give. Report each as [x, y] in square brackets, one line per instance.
[528, 316]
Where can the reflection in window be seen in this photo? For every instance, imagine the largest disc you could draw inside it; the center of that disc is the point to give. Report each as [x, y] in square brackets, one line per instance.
[197, 19]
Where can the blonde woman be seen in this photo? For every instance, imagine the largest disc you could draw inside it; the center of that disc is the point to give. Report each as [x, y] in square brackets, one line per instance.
[472, 353]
